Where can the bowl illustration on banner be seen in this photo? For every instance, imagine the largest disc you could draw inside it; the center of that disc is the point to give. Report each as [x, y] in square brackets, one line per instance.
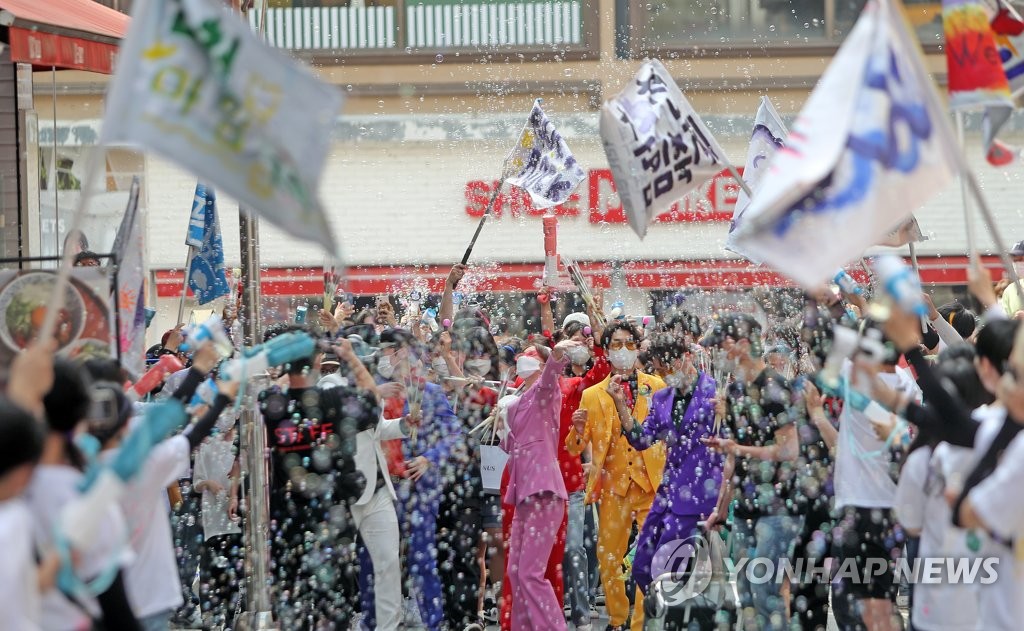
[23, 309]
[86, 348]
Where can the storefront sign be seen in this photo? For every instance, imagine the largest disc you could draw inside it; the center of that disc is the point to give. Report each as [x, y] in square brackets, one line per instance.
[714, 201]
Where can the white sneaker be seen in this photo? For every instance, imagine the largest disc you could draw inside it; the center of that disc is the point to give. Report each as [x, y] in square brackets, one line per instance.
[584, 627]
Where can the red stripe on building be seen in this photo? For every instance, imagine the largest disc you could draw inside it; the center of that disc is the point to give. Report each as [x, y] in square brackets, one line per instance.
[523, 277]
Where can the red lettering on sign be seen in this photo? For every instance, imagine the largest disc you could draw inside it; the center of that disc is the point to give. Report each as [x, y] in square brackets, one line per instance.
[713, 201]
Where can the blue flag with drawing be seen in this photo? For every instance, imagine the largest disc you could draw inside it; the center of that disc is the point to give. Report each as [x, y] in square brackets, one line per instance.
[869, 148]
[207, 276]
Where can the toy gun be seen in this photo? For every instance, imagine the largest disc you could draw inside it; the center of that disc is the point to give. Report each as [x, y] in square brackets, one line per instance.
[550, 251]
[212, 330]
[102, 487]
[846, 283]
[901, 284]
[845, 344]
[166, 365]
[284, 348]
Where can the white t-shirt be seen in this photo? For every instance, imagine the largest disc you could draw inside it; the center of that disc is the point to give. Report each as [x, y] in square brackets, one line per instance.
[921, 505]
[863, 463]
[214, 461]
[20, 603]
[152, 579]
[51, 489]
[998, 502]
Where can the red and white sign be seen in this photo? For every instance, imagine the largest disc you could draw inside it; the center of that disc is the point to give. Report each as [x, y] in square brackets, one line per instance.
[61, 51]
[714, 201]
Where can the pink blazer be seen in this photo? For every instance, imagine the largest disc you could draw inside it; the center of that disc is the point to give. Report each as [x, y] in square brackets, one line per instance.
[532, 441]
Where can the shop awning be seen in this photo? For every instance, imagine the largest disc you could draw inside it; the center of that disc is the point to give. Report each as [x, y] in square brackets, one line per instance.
[67, 34]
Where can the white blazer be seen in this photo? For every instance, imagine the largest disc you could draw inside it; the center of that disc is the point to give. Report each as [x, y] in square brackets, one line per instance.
[368, 447]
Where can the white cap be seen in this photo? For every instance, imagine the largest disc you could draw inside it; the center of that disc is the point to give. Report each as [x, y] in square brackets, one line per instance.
[576, 317]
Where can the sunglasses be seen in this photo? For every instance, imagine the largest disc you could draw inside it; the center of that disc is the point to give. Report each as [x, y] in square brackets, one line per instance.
[618, 344]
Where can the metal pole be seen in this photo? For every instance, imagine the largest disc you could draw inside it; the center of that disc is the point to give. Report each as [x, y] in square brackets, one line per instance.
[972, 248]
[259, 613]
[184, 287]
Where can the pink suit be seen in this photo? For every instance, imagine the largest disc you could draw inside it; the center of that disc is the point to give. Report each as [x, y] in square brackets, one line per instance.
[537, 491]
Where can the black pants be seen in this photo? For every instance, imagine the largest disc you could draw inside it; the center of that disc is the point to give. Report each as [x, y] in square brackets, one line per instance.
[221, 574]
[313, 566]
[459, 530]
[187, 525]
[809, 598]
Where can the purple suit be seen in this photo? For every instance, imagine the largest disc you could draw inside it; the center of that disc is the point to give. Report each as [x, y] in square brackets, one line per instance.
[693, 473]
[536, 489]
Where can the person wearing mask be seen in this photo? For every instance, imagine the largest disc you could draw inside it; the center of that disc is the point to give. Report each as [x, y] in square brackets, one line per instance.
[423, 463]
[680, 416]
[311, 434]
[628, 479]
[760, 445]
[537, 491]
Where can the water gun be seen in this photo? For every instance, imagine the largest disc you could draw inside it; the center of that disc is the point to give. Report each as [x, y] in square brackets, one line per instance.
[212, 330]
[102, 487]
[166, 365]
[846, 283]
[901, 284]
[284, 348]
[429, 318]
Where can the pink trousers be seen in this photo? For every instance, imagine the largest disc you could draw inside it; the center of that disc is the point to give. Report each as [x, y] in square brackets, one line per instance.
[534, 528]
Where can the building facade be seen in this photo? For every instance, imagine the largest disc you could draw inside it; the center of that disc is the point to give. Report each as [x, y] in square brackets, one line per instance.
[436, 93]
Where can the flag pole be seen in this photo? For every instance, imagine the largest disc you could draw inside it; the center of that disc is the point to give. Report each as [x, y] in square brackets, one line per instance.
[184, 288]
[483, 220]
[972, 249]
[917, 272]
[739, 180]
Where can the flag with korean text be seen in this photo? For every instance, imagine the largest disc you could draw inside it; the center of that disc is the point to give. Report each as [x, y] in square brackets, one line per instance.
[542, 164]
[870, 147]
[769, 136]
[207, 277]
[131, 283]
[196, 85]
[658, 148]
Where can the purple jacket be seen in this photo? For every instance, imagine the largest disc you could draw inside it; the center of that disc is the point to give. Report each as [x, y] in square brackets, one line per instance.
[532, 442]
[693, 473]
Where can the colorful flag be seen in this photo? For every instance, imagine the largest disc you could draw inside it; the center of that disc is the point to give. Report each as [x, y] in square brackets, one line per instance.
[870, 146]
[769, 136]
[657, 146]
[131, 280]
[1008, 28]
[196, 85]
[207, 277]
[976, 77]
[542, 164]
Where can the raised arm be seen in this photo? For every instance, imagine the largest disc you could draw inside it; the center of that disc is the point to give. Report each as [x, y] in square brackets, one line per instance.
[447, 310]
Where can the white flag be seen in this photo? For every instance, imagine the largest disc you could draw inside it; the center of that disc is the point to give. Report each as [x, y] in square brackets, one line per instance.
[657, 146]
[541, 163]
[131, 280]
[907, 232]
[869, 148]
[196, 85]
[769, 136]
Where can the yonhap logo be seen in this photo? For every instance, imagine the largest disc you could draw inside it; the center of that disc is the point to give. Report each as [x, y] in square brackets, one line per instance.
[683, 569]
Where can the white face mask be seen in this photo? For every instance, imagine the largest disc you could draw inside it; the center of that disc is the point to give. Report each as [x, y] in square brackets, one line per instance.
[579, 355]
[623, 358]
[527, 366]
[385, 368]
[440, 367]
[477, 367]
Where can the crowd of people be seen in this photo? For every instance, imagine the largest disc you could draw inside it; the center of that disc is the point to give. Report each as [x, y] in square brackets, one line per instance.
[450, 473]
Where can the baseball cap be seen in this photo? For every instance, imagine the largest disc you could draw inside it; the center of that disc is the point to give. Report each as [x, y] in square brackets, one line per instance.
[576, 317]
[1018, 249]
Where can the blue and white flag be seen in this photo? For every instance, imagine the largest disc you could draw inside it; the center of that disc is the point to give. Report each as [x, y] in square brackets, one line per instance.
[542, 164]
[207, 276]
[768, 137]
[869, 148]
[196, 85]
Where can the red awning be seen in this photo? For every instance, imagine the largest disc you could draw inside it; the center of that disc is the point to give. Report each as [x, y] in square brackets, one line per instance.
[67, 34]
